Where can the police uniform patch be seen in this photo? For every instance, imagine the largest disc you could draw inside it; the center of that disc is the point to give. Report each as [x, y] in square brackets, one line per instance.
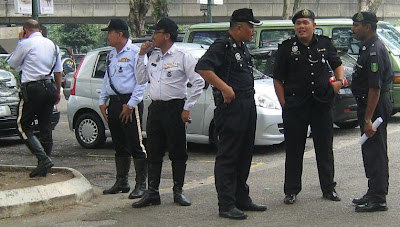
[124, 60]
[374, 67]
[170, 65]
[305, 13]
[359, 17]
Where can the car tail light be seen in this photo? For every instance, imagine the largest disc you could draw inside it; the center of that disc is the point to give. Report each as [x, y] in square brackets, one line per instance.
[396, 78]
[76, 76]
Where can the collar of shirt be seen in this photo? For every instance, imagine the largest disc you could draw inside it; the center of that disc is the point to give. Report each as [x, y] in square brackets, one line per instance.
[314, 39]
[369, 42]
[35, 34]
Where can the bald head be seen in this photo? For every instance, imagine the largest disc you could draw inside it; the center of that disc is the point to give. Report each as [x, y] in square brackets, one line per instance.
[31, 25]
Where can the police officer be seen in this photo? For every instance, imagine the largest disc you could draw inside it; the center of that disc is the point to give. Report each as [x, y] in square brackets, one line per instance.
[40, 62]
[124, 109]
[169, 70]
[227, 66]
[301, 80]
[371, 82]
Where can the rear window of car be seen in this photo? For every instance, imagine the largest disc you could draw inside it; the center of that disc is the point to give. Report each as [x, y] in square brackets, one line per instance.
[101, 65]
[271, 38]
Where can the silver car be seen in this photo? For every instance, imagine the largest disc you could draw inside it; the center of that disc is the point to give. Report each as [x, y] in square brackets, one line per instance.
[91, 130]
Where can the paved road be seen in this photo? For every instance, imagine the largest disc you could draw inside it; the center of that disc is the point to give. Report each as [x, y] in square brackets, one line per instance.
[266, 186]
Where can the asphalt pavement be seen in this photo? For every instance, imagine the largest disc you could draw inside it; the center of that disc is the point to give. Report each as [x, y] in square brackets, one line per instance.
[265, 180]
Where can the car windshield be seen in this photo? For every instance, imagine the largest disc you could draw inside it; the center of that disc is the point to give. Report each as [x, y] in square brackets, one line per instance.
[271, 38]
[208, 37]
[263, 62]
[390, 37]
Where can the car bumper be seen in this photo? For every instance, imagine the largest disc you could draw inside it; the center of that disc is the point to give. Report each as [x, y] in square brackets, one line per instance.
[269, 128]
[345, 108]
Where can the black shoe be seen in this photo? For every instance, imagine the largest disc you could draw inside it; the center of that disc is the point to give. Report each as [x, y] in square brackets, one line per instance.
[360, 201]
[372, 207]
[147, 200]
[180, 199]
[289, 199]
[252, 207]
[233, 213]
[331, 196]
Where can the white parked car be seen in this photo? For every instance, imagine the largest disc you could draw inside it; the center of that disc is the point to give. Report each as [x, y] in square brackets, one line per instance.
[91, 130]
[7, 78]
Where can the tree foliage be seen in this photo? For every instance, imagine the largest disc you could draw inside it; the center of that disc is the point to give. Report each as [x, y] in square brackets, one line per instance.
[78, 37]
[137, 11]
[160, 9]
[286, 6]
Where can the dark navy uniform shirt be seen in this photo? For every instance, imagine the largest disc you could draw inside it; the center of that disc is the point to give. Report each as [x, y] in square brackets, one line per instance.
[304, 70]
[373, 69]
[232, 63]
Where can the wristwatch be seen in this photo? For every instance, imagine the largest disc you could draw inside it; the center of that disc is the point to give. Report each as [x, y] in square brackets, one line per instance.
[341, 81]
[367, 121]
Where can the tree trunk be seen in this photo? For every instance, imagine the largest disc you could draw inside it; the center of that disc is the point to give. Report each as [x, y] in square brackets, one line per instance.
[285, 13]
[160, 9]
[296, 6]
[137, 11]
[369, 5]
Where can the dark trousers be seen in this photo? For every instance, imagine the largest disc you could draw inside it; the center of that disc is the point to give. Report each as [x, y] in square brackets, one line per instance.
[296, 121]
[38, 99]
[374, 150]
[166, 131]
[235, 125]
[126, 137]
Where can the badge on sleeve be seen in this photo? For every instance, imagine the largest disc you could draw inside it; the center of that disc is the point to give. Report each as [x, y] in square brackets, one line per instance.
[374, 67]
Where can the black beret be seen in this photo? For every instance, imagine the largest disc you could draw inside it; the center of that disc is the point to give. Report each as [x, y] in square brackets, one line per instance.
[116, 25]
[167, 24]
[304, 13]
[244, 15]
[366, 17]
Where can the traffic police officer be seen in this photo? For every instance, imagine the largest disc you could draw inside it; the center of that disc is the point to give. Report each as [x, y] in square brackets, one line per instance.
[169, 70]
[227, 66]
[125, 108]
[39, 58]
[301, 80]
[371, 82]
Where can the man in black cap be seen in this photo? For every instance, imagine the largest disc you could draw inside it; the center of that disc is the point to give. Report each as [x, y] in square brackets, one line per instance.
[227, 66]
[125, 108]
[169, 70]
[301, 80]
[371, 82]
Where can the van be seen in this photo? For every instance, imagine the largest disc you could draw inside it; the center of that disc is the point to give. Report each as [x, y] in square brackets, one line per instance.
[273, 32]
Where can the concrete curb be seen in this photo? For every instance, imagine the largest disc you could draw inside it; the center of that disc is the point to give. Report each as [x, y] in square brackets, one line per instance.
[30, 200]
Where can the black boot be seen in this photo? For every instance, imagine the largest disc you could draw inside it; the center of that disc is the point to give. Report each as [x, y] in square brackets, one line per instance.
[178, 173]
[48, 148]
[152, 195]
[44, 162]
[121, 184]
[141, 176]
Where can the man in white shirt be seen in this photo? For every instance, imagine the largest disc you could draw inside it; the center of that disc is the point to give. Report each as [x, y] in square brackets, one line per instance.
[169, 70]
[38, 58]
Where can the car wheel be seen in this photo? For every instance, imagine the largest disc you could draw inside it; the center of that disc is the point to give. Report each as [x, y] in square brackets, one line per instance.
[89, 131]
[347, 125]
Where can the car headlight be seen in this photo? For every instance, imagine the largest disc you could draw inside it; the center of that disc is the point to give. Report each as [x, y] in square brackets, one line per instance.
[264, 101]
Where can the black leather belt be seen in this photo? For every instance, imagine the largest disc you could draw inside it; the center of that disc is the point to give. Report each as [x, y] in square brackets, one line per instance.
[32, 83]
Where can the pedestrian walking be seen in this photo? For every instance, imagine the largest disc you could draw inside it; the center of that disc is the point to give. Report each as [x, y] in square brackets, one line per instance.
[40, 62]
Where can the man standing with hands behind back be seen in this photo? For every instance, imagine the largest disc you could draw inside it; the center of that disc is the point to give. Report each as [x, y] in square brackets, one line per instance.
[371, 82]
[227, 66]
[40, 62]
[125, 108]
[301, 79]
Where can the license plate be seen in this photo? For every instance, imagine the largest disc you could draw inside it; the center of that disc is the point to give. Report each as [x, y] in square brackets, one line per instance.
[5, 111]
